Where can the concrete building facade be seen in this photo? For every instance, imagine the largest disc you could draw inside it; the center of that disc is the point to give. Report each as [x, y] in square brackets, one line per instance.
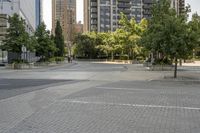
[86, 15]
[181, 6]
[3, 28]
[103, 15]
[26, 9]
[65, 12]
[178, 5]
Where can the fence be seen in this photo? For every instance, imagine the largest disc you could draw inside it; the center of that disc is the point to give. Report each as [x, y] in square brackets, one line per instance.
[26, 56]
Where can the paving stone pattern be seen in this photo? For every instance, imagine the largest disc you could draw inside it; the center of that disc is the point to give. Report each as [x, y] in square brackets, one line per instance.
[121, 107]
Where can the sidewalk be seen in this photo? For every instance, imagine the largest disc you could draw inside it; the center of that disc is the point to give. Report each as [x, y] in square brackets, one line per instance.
[196, 63]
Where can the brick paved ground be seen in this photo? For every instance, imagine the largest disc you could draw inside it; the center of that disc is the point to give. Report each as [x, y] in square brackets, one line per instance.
[118, 105]
[123, 107]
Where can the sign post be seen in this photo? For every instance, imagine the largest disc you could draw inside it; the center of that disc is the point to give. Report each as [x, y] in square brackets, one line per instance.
[24, 51]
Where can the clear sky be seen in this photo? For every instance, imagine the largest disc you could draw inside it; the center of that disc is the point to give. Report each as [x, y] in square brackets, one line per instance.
[195, 5]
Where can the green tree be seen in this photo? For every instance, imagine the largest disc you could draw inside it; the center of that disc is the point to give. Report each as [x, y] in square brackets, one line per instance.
[124, 41]
[129, 35]
[32, 43]
[16, 36]
[85, 45]
[169, 34]
[59, 40]
[45, 45]
[194, 25]
[107, 44]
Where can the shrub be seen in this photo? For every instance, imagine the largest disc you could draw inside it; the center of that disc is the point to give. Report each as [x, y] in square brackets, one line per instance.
[53, 59]
[59, 59]
[124, 57]
[164, 61]
[18, 61]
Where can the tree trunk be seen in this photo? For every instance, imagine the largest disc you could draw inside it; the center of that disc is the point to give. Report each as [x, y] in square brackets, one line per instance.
[175, 70]
[130, 54]
[112, 55]
[180, 62]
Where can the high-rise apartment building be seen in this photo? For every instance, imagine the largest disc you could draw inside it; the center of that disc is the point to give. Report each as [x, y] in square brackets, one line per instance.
[39, 13]
[103, 15]
[178, 5]
[181, 6]
[137, 9]
[65, 12]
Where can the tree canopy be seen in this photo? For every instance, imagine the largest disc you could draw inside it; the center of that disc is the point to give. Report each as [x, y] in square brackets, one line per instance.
[59, 40]
[168, 34]
[122, 42]
[45, 45]
[16, 36]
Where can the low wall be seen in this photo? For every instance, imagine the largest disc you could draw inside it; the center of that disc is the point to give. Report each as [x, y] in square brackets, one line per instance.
[31, 65]
[19, 66]
[109, 60]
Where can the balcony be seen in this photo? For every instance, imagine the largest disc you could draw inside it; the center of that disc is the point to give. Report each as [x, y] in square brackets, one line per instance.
[93, 28]
[148, 1]
[3, 30]
[129, 17]
[3, 24]
[126, 11]
[94, 10]
[147, 6]
[93, 22]
[124, 0]
[93, 4]
[93, 16]
[124, 5]
[147, 12]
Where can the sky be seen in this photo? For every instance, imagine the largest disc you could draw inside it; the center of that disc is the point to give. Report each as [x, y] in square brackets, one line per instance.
[195, 6]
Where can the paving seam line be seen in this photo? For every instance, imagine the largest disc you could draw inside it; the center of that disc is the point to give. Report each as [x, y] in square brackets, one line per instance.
[133, 105]
[128, 89]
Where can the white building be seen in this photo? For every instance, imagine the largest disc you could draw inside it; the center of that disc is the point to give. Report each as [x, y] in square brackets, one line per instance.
[25, 8]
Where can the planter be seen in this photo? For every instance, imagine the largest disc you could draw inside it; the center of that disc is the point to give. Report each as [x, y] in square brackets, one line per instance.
[19, 66]
[40, 64]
